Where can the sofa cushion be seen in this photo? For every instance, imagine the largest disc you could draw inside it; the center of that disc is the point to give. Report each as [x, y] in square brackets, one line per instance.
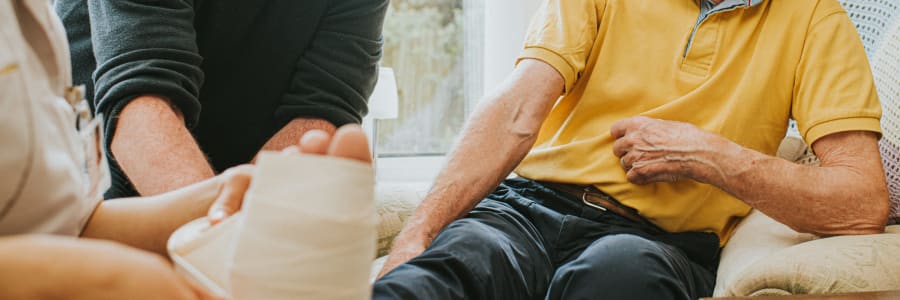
[767, 257]
[394, 204]
[755, 238]
[840, 264]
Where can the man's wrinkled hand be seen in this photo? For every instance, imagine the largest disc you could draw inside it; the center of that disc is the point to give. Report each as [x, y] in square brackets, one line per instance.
[654, 150]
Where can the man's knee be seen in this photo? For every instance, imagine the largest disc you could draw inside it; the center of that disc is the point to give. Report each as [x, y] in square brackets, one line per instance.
[618, 266]
[628, 255]
[470, 259]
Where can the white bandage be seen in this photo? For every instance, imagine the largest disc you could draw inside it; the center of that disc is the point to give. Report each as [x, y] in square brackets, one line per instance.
[306, 231]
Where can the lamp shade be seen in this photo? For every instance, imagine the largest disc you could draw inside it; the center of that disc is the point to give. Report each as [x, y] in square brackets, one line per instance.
[384, 102]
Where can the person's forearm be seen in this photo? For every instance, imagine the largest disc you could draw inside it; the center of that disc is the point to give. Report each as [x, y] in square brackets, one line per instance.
[840, 197]
[41, 267]
[290, 134]
[147, 222]
[155, 149]
[20, 278]
[494, 141]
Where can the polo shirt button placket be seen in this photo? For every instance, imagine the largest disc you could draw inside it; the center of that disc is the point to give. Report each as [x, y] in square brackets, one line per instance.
[699, 57]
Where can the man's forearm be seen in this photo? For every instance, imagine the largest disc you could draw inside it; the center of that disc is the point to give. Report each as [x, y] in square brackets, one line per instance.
[290, 134]
[155, 149]
[847, 194]
[507, 124]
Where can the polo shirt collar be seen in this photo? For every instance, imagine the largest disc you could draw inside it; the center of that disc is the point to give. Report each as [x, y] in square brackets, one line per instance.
[737, 3]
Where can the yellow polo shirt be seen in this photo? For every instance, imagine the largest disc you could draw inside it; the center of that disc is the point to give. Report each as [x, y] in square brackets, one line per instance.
[747, 71]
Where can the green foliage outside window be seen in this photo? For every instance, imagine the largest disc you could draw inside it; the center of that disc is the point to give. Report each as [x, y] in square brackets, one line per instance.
[424, 45]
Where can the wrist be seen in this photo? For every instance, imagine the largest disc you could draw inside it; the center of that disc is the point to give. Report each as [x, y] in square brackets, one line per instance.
[715, 163]
[416, 232]
[291, 133]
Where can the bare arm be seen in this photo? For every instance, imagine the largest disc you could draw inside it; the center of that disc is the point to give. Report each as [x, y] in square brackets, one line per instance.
[53, 267]
[846, 194]
[155, 149]
[147, 222]
[290, 134]
[507, 122]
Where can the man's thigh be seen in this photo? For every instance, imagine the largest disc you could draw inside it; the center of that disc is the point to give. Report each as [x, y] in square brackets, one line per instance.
[495, 252]
[626, 266]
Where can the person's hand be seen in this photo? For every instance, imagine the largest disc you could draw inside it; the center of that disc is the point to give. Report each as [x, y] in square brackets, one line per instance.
[348, 142]
[69, 268]
[235, 182]
[406, 247]
[653, 150]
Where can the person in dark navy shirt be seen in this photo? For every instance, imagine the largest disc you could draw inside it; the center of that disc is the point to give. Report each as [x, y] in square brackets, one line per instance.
[188, 88]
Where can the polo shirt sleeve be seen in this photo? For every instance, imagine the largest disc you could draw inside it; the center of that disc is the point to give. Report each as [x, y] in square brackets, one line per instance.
[562, 34]
[834, 90]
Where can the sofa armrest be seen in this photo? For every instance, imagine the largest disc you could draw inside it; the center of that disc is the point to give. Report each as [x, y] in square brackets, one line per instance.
[755, 238]
[830, 265]
[395, 203]
[793, 148]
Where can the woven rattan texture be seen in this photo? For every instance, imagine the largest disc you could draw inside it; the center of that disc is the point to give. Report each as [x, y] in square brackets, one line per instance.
[878, 23]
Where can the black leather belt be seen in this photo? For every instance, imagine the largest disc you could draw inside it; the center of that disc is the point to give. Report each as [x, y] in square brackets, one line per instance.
[595, 198]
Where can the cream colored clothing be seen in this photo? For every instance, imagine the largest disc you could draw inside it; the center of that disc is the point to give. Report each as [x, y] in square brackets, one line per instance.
[43, 182]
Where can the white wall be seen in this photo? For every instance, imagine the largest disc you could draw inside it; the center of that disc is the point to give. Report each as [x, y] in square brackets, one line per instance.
[505, 24]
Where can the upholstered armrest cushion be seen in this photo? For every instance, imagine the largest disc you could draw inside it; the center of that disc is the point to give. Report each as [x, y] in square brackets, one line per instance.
[395, 203]
[765, 257]
[755, 238]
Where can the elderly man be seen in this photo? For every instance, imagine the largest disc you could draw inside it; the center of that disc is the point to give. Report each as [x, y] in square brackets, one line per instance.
[643, 131]
[190, 88]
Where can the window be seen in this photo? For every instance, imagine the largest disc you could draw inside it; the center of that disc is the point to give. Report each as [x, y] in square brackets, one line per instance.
[435, 49]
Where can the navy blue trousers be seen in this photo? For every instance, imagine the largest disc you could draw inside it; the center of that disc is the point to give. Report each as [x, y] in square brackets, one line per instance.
[527, 241]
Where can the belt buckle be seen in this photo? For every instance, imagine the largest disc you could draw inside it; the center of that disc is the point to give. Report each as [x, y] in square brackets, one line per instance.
[589, 203]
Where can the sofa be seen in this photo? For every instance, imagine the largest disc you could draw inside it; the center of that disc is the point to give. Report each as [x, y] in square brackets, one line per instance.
[765, 257]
